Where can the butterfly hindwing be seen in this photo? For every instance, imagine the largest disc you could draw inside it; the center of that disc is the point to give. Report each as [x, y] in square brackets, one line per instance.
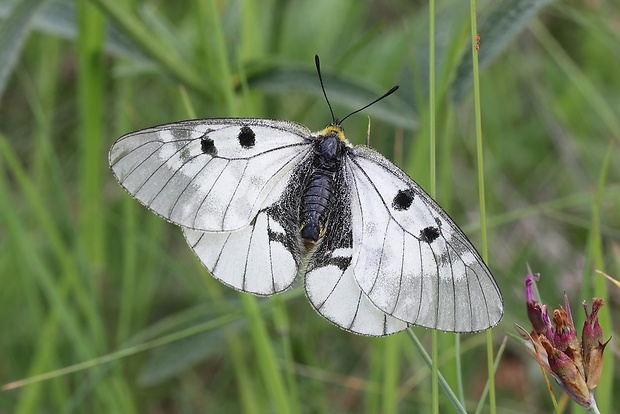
[209, 175]
[410, 258]
[256, 259]
[329, 281]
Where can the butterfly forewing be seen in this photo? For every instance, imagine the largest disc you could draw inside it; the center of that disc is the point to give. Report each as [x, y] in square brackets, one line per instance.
[410, 259]
[210, 175]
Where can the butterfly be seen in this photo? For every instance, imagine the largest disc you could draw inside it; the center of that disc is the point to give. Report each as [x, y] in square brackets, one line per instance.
[263, 202]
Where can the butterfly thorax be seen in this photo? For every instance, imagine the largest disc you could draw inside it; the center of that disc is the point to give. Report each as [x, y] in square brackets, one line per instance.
[317, 193]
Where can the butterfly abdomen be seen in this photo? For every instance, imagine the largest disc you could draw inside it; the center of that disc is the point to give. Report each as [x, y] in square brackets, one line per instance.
[315, 203]
[318, 191]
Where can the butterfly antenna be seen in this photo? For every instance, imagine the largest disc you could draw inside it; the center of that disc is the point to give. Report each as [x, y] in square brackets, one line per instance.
[385, 95]
[318, 69]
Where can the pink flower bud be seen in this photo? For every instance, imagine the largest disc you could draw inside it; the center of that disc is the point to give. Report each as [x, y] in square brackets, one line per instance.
[567, 374]
[534, 309]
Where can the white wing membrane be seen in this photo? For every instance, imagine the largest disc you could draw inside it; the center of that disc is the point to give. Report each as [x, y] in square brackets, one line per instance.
[336, 295]
[205, 175]
[410, 258]
[253, 259]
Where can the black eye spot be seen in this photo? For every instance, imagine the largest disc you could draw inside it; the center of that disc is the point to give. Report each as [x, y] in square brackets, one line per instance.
[429, 234]
[208, 146]
[403, 199]
[246, 137]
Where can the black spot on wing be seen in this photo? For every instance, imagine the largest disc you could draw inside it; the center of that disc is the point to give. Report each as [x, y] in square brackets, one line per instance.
[429, 234]
[246, 137]
[341, 262]
[208, 146]
[403, 199]
[275, 236]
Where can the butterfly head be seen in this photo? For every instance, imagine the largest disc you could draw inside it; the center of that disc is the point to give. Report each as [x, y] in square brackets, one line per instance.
[334, 130]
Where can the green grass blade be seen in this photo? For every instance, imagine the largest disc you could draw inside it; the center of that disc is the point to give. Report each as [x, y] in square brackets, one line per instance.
[13, 33]
[441, 381]
[265, 356]
[595, 98]
[391, 374]
[141, 35]
[433, 188]
[90, 101]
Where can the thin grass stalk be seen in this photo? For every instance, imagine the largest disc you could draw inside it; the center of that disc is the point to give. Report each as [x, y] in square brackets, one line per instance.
[213, 34]
[125, 352]
[372, 400]
[481, 191]
[129, 258]
[605, 385]
[489, 382]
[42, 101]
[90, 107]
[444, 112]
[44, 358]
[441, 381]
[265, 356]
[433, 187]
[282, 326]
[252, 37]
[391, 374]
[250, 401]
[90, 229]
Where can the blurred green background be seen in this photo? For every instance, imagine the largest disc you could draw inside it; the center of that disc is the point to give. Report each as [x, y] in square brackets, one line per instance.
[86, 272]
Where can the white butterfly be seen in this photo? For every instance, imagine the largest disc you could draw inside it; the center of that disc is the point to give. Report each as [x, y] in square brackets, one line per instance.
[262, 202]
